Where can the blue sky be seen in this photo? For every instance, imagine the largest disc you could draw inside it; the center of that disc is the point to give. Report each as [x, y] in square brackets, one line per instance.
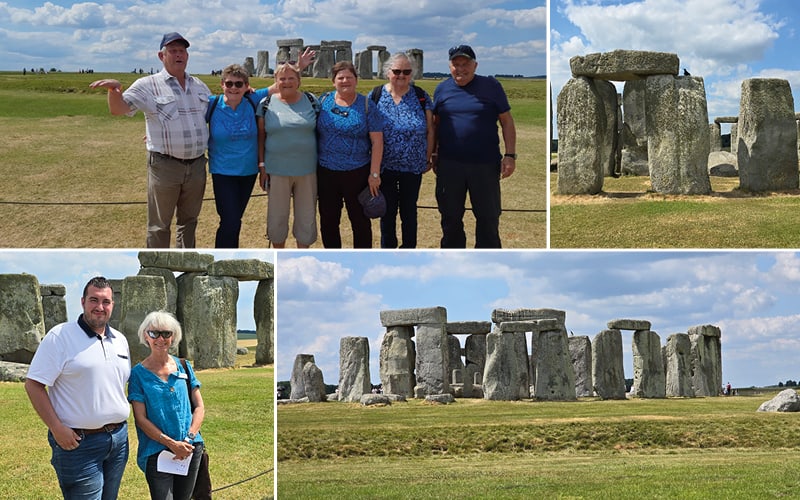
[73, 268]
[508, 35]
[724, 41]
[752, 296]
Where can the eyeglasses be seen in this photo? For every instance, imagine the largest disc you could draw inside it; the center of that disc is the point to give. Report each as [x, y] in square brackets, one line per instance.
[403, 71]
[154, 334]
[287, 62]
[341, 112]
[239, 84]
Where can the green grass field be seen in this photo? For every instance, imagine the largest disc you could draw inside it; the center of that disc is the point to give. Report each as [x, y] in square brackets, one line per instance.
[628, 214]
[238, 431]
[668, 448]
[71, 171]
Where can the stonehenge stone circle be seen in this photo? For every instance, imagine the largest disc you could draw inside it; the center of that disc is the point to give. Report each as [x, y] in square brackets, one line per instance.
[649, 379]
[580, 351]
[21, 317]
[141, 295]
[297, 381]
[54, 305]
[608, 372]
[678, 366]
[397, 360]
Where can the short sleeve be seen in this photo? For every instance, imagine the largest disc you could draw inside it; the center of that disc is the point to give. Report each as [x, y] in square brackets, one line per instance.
[135, 389]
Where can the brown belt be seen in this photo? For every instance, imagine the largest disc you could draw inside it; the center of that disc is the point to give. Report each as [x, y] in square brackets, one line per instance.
[106, 428]
[186, 161]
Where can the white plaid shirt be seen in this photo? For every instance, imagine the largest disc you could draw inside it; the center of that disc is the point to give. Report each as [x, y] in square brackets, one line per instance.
[175, 119]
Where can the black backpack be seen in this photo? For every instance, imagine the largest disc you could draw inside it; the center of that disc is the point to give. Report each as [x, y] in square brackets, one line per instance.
[375, 95]
[215, 101]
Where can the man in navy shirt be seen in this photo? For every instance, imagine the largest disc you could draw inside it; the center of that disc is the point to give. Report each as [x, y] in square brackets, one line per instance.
[466, 110]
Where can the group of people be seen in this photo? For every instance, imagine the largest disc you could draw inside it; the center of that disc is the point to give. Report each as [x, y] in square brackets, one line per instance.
[320, 152]
[76, 383]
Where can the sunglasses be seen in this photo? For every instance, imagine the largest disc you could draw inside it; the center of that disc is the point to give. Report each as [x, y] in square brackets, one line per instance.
[340, 112]
[238, 84]
[154, 334]
[287, 62]
[403, 71]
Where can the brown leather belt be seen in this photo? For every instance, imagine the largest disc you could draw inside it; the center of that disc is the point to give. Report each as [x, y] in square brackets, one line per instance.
[106, 428]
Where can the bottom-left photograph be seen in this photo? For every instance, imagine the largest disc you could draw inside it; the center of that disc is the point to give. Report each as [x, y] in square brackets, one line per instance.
[137, 374]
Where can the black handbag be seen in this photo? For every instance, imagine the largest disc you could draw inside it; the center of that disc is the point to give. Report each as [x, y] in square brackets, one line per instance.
[202, 485]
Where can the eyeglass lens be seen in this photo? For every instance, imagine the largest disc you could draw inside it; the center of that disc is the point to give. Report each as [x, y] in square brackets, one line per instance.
[154, 334]
[239, 84]
[403, 71]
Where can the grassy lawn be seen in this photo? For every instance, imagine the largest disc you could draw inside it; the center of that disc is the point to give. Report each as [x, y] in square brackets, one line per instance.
[669, 448]
[627, 214]
[69, 166]
[238, 431]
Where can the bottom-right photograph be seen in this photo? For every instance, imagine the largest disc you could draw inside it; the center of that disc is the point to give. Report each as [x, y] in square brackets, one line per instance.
[537, 374]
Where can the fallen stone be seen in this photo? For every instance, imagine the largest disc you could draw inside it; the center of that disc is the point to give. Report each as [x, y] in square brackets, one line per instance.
[444, 399]
[374, 399]
[786, 401]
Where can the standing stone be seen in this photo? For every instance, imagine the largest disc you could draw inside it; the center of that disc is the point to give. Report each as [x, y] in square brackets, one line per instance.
[455, 363]
[364, 65]
[677, 129]
[116, 285]
[325, 60]
[580, 351]
[634, 131]
[475, 355]
[678, 354]
[141, 295]
[735, 141]
[54, 305]
[184, 312]
[610, 144]
[262, 66]
[296, 381]
[169, 282]
[649, 379]
[417, 58]
[213, 321]
[555, 377]
[706, 360]
[354, 378]
[431, 360]
[767, 149]
[397, 360]
[582, 128]
[715, 136]
[503, 368]
[608, 373]
[314, 383]
[249, 66]
[263, 308]
[21, 317]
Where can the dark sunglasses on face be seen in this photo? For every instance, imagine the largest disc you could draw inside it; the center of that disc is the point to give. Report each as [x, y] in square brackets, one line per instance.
[287, 62]
[154, 334]
[238, 84]
[403, 71]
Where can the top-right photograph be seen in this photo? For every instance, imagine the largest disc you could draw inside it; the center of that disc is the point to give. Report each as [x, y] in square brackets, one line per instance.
[674, 124]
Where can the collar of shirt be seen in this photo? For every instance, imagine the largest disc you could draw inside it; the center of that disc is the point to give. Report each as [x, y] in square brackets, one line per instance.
[88, 329]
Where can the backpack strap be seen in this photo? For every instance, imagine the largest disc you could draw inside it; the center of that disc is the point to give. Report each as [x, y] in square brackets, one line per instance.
[315, 103]
[252, 103]
[375, 94]
[421, 97]
[265, 105]
[213, 101]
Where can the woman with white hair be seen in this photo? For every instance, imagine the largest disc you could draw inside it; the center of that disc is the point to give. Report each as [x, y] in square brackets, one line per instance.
[165, 420]
[408, 139]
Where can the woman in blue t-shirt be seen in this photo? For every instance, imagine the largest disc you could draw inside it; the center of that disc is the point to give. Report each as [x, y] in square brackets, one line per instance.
[164, 415]
[350, 149]
[408, 139]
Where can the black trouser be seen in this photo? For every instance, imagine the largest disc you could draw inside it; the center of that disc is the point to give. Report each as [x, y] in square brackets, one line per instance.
[482, 181]
[333, 186]
[401, 190]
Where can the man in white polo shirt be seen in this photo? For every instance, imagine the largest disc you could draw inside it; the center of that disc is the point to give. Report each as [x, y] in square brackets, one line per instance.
[76, 383]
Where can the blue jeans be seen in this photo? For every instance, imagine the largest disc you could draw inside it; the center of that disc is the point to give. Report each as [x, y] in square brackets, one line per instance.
[231, 193]
[401, 190]
[166, 486]
[482, 181]
[94, 469]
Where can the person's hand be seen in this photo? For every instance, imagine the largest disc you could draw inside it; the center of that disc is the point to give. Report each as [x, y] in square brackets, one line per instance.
[374, 185]
[66, 438]
[507, 167]
[306, 58]
[107, 83]
[263, 180]
[181, 449]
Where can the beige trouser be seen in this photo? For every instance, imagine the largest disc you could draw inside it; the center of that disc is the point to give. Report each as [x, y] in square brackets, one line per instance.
[174, 187]
[281, 190]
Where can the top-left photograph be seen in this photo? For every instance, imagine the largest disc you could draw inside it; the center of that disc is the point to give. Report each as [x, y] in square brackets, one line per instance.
[270, 126]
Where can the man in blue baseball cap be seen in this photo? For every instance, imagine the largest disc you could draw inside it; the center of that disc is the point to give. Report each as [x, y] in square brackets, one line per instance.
[466, 110]
[174, 104]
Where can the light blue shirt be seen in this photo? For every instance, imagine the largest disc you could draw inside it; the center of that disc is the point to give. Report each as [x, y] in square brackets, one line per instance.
[167, 403]
[291, 145]
[233, 136]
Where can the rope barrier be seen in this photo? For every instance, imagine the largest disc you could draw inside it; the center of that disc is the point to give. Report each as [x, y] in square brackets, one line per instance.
[242, 481]
[260, 195]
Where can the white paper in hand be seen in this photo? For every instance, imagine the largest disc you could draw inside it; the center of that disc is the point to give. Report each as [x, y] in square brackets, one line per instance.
[167, 463]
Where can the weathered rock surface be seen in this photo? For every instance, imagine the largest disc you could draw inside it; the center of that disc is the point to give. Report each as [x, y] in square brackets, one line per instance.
[411, 317]
[677, 353]
[21, 317]
[555, 377]
[176, 261]
[607, 367]
[623, 65]
[580, 351]
[431, 361]
[649, 379]
[397, 360]
[354, 379]
[786, 401]
[628, 324]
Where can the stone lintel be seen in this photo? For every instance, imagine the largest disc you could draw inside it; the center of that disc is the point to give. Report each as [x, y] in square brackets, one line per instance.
[376, 47]
[469, 327]
[185, 262]
[242, 269]
[705, 330]
[503, 315]
[411, 317]
[629, 324]
[624, 65]
[290, 42]
[540, 325]
[57, 290]
[726, 119]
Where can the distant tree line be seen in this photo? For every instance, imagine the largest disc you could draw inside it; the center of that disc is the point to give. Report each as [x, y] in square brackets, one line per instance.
[788, 383]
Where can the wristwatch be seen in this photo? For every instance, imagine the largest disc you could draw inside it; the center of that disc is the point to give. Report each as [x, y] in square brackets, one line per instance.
[513, 156]
[375, 175]
[190, 437]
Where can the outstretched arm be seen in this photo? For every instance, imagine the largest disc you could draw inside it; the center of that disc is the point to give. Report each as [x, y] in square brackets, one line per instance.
[116, 105]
